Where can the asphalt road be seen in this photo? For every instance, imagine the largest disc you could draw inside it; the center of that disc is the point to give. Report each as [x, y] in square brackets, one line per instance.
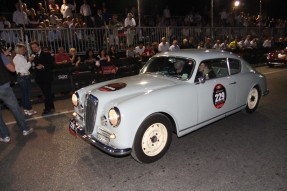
[242, 152]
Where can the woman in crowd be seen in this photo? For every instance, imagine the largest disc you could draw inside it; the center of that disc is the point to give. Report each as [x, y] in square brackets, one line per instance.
[90, 58]
[103, 56]
[113, 53]
[23, 77]
[154, 46]
[75, 59]
[33, 20]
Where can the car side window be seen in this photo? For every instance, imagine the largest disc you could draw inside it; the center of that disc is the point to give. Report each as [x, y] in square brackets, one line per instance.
[234, 66]
[209, 69]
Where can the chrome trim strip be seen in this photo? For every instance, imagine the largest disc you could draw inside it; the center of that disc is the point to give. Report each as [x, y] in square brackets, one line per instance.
[105, 148]
[91, 108]
[223, 114]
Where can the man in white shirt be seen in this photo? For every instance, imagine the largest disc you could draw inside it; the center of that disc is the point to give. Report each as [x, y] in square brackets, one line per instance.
[19, 17]
[174, 46]
[267, 43]
[163, 46]
[85, 10]
[139, 49]
[130, 26]
[66, 9]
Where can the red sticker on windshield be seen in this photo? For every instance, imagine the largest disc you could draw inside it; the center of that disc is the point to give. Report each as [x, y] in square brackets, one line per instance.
[112, 87]
[219, 96]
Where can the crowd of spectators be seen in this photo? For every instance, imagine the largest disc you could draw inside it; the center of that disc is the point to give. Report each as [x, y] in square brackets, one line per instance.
[92, 15]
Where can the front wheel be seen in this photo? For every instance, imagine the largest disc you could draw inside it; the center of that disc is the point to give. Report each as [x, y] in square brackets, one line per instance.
[152, 139]
[252, 100]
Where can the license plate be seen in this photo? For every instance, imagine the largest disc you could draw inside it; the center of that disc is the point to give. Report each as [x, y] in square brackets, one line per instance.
[73, 127]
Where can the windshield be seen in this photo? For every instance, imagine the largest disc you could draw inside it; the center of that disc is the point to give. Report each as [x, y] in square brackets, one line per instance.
[180, 68]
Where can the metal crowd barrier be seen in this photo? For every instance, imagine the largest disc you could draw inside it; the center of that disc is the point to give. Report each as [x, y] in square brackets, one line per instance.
[98, 38]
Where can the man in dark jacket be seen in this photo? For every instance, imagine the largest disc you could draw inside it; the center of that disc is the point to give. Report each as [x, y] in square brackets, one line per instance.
[44, 64]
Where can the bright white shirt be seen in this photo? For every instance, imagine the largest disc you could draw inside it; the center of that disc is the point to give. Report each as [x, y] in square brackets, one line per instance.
[267, 44]
[130, 22]
[247, 43]
[21, 64]
[163, 47]
[174, 47]
[20, 18]
[139, 50]
[253, 44]
[216, 46]
[66, 10]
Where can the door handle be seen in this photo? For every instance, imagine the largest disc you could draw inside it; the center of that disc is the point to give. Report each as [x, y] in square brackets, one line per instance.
[232, 83]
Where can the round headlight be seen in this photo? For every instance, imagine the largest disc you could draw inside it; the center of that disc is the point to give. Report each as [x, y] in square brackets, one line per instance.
[75, 99]
[114, 117]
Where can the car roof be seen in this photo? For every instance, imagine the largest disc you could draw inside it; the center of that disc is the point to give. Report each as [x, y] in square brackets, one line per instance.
[199, 54]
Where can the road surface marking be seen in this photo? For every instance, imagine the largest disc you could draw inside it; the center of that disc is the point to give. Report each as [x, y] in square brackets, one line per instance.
[41, 117]
[266, 73]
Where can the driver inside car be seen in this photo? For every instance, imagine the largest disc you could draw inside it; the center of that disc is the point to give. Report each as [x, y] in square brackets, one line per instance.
[178, 66]
[180, 69]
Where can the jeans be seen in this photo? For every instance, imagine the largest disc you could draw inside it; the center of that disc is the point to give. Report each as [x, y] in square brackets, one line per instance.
[8, 97]
[25, 86]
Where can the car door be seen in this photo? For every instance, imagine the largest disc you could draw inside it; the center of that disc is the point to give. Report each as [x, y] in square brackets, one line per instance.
[217, 95]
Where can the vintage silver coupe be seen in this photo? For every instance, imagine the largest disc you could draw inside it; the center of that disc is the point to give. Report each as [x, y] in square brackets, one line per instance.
[175, 92]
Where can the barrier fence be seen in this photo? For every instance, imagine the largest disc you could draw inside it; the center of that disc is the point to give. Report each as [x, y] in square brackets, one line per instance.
[98, 38]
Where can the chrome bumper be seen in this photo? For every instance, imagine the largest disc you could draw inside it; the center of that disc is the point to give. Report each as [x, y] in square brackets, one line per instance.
[77, 130]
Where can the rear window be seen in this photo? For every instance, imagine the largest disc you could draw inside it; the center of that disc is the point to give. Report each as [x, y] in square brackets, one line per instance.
[234, 65]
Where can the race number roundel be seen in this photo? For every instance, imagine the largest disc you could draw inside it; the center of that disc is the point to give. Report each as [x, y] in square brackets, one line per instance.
[112, 87]
[219, 96]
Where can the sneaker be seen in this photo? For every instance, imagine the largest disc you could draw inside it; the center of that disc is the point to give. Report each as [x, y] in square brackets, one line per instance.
[30, 112]
[27, 132]
[5, 140]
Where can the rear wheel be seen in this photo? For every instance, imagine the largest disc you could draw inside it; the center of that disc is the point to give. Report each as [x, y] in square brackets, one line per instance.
[252, 100]
[152, 139]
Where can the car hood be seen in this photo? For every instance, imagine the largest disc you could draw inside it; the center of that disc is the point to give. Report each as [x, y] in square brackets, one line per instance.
[130, 86]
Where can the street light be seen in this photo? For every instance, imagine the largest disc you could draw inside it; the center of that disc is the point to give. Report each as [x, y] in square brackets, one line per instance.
[211, 13]
[260, 8]
[237, 3]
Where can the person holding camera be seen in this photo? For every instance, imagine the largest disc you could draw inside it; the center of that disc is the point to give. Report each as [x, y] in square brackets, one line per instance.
[23, 77]
[8, 97]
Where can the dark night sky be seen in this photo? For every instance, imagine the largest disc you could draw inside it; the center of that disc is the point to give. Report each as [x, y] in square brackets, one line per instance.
[271, 8]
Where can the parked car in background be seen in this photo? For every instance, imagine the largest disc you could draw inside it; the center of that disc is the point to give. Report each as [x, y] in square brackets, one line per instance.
[178, 92]
[277, 57]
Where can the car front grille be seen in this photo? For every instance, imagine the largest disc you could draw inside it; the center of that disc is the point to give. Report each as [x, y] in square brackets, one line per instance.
[91, 107]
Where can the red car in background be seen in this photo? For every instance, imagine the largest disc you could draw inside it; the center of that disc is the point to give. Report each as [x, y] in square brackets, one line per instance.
[277, 57]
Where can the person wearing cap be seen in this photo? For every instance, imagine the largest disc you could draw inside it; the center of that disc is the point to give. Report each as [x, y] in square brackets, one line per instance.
[8, 97]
